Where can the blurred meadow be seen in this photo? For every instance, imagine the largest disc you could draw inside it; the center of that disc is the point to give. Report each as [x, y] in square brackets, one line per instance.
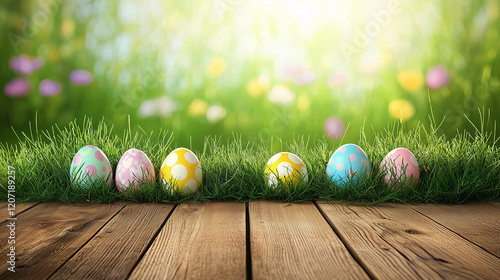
[257, 68]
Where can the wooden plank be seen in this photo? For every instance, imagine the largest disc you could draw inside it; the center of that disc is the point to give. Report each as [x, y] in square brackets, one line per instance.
[49, 234]
[295, 242]
[396, 242]
[19, 208]
[478, 222]
[115, 250]
[199, 241]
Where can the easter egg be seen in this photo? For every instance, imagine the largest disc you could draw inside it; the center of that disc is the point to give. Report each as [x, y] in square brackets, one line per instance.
[399, 166]
[181, 171]
[348, 163]
[88, 165]
[133, 169]
[286, 167]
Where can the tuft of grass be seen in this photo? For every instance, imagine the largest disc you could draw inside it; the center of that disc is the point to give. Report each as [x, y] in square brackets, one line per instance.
[466, 167]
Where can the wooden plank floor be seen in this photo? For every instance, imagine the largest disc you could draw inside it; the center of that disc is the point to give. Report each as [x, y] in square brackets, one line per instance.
[256, 240]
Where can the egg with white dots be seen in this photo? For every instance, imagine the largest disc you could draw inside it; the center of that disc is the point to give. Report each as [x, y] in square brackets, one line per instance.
[349, 165]
[287, 168]
[181, 171]
[400, 166]
[89, 166]
[134, 169]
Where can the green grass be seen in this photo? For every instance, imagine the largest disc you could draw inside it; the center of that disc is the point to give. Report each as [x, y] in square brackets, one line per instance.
[466, 167]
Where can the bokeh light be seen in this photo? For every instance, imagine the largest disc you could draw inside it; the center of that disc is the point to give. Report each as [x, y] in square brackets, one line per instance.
[278, 67]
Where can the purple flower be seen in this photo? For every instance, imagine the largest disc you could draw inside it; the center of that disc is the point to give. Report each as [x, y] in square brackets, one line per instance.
[437, 77]
[24, 65]
[49, 88]
[334, 128]
[17, 87]
[81, 77]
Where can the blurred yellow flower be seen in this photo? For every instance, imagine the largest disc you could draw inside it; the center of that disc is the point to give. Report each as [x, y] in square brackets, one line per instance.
[54, 55]
[258, 85]
[401, 109]
[198, 107]
[67, 27]
[410, 80]
[493, 11]
[303, 103]
[78, 43]
[216, 66]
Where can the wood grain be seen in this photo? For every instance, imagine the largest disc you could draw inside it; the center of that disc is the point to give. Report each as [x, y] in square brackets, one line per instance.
[478, 222]
[20, 208]
[199, 241]
[114, 251]
[49, 234]
[295, 242]
[396, 242]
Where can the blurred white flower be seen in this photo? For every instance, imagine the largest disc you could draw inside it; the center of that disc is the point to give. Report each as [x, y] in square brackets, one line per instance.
[281, 95]
[147, 109]
[216, 113]
[163, 106]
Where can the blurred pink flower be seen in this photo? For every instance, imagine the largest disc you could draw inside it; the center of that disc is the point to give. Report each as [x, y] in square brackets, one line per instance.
[299, 74]
[17, 87]
[49, 88]
[437, 77]
[305, 78]
[81, 77]
[337, 79]
[292, 71]
[334, 128]
[24, 65]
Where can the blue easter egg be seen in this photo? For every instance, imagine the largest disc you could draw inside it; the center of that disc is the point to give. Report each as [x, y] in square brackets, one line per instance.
[348, 163]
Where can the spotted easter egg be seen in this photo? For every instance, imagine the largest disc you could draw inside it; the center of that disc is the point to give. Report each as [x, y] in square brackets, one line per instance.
[399, 167]
[134, 169]
[181, 171]
[287, 168]
[89, 165]
[348, 164]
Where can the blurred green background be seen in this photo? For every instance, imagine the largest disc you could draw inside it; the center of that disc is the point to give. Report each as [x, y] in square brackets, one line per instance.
[274, 68]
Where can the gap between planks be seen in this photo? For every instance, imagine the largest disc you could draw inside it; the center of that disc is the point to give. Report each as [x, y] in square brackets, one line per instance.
[477, 222]
[394, 242]
[114, 250]
[205, 241]
[19, 209]
[295, 242]
[61, 230]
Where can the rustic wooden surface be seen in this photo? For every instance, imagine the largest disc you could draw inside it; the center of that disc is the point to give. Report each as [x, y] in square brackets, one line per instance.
[19, 208]
[478, 222]
[296, 240]
[260, 240]
[49, 234]
[115, 250]
[395, 242]
[199, 241]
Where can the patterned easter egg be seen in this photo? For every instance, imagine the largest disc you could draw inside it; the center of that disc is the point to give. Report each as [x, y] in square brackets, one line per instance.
[181, 171]
[348, 163]
[399, 166]
[88, 165]
[286, 167]
[133, 169]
